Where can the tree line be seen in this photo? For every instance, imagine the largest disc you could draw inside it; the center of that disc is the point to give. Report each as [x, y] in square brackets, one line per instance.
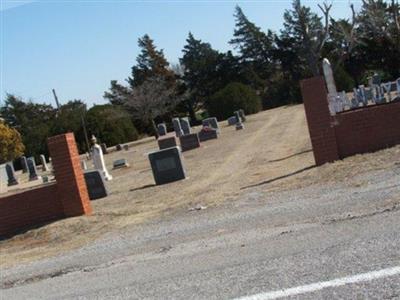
[262, 71]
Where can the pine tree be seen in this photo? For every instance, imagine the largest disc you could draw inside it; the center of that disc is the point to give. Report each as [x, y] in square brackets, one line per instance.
[255, 47]
[150, 63]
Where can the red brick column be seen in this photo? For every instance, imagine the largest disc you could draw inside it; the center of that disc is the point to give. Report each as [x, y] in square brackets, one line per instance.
[71, 185]
[322, 132]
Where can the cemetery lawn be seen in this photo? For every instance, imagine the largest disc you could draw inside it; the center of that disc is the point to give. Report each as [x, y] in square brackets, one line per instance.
[273, 153]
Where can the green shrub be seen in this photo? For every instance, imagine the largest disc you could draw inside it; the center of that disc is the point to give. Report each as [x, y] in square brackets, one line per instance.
[111, 125]
[232, 97]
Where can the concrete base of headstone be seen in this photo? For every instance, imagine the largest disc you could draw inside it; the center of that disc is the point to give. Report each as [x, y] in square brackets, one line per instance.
[189, 141]
[167, 165]
[207, 134]
[95, 185]
[239, 126]
[167, 142]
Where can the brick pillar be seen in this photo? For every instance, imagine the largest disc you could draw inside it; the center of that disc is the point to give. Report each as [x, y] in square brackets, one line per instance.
[71, 185]
[319, 120]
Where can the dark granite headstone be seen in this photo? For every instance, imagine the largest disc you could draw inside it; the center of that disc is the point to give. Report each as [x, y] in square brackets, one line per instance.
[120, 163]
[232, 121]
[24, 164]
[177, 127]
[189, 141]
[211, 122]
[104, 148]
[167, 142]
[185, 125]
[118, 147]
[162, 129]
[238, 117]
[167, 165]
[12, 180]
[95, 185]
[207, 134]
[32, 169]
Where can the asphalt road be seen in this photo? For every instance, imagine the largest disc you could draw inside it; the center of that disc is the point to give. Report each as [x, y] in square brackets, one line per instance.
[256, 244]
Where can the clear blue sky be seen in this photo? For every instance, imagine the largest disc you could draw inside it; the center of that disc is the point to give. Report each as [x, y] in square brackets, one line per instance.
[77, 47]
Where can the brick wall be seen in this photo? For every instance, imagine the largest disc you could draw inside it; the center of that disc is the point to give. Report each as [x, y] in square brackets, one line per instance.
[66, 198]
[357, 131]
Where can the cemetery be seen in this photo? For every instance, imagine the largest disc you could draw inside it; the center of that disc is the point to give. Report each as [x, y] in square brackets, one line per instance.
[273, 145]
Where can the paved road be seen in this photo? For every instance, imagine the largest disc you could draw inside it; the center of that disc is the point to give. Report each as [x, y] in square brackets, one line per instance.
[256, 244]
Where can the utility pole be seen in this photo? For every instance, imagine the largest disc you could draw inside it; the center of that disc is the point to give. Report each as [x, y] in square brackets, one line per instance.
[55, 98]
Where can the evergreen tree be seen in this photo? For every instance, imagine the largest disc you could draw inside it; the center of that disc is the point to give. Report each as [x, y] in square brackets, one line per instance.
[255, 47]
[150, 63]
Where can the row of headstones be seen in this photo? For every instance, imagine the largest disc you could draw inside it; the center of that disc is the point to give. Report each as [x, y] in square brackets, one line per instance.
[28, 165]
[166, 163]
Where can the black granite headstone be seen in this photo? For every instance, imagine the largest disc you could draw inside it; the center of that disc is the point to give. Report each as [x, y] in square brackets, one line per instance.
[32, 169]
[104, 148]
[95, 185]
[167, 165]
[24, 164]
[12, 180]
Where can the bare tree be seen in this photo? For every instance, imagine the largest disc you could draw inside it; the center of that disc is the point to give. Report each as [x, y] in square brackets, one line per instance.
[152, 99]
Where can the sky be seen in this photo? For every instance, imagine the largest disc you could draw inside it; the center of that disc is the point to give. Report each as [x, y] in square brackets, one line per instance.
[78, 47]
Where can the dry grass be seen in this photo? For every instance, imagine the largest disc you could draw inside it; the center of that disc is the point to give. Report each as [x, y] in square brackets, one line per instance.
[274, 145]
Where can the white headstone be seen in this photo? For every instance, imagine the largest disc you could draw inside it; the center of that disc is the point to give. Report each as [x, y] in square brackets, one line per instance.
[3, 179]
[45, 168]
[98, 161]
[329, 79]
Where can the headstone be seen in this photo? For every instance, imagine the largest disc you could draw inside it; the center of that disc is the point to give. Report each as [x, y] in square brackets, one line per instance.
[207, 133]
[95, 185]
[32, 169]
[167, 165]
[242, 115]
[167, 142]
[24, 164]
[120, 163]
[83, 165]
[212, 123]
[232, 121]
[189, 141]
[3, 179]
[329, 79]
[104, 148]
[162, 129]
[185, 125]
[98, 160]
[12, 180]
[118, 147]
[238, 117]
[45, 179]
[177, 127]
[45, 168]
[126, 147]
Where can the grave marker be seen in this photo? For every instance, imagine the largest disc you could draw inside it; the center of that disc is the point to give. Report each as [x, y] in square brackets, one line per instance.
[167, 142]
[189, 141]
[185, 125]
[162, 129]
[118, 147]
[167, 165]
[95, 185]
[12, 180]
[32, 169]
[120, 163]
[212, 123]
[232, 121]
[98, 160]
[104, 148]
[177, 127]
[45, 168]
[207, 133]
[84, 165]
[24, 164]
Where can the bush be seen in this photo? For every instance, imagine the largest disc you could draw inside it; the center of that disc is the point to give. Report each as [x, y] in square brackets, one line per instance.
[11, 145]
[232, 97]
[111, 125]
